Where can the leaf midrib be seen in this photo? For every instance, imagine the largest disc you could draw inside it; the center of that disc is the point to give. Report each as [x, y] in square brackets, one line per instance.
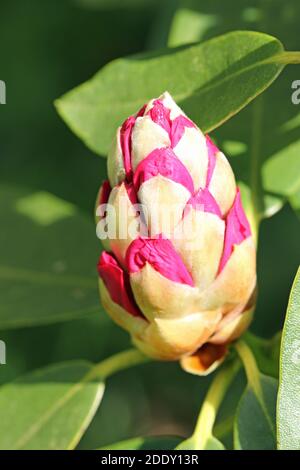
[46, 278]
[50, 319]
[276, 59]
[34, 429]
[262, 403]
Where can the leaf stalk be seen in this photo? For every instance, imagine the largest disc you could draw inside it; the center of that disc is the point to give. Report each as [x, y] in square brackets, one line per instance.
[212, 402]
[116, 363]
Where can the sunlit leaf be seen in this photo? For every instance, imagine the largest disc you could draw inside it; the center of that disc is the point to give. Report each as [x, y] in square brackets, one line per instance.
[288, 408]
[281, 172]
[48, 256]
[48, 409]
[295, 202]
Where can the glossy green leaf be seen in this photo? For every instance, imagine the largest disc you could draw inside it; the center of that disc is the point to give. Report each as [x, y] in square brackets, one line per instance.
[48, 409]
[145, 443]
[48, 256]
[288, 406]
[197, 76]
[255, 421]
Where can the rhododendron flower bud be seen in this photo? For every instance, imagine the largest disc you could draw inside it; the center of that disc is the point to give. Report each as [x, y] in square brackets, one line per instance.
[179, 270]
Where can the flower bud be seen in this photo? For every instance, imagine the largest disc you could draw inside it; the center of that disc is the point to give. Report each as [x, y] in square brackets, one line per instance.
[179, 273]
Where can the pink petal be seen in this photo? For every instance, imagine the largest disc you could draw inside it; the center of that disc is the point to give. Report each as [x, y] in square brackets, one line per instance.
[161, 115]
[104, 192]
[125, 140]
[161, 255]
[117, 283]
[141, 112]
[237, 229]
[212, 151]
[204, 200]
[177, 129]
[165, 163]
[131, 193]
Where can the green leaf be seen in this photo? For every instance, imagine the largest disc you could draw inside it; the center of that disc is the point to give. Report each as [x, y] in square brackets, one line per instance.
[288, 405]
[274, 150]
[49, 408]
[212, 443]
[266, 352]
[281, 172]
[272, 204]
[295, 203]
[198, 23]
[197, 76]
[145, 443]
[48, 256]
[275, 139]
[255, 421]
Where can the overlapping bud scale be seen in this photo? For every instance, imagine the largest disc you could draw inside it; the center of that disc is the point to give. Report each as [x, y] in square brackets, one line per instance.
[182, 279]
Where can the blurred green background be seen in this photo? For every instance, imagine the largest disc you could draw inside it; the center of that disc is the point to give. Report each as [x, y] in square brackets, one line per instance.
[46, 49]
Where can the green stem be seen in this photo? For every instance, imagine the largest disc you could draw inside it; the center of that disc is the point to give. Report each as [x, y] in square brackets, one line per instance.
[253, 377]
[212, 402]
[116, 363]
[250, 366]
